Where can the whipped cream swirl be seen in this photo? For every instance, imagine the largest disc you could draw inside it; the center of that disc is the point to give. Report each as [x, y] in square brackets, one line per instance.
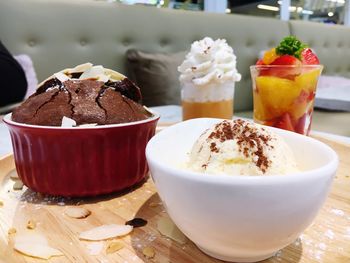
[209, 61]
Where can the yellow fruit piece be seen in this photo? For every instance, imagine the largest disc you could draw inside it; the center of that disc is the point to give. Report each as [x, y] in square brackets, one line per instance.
[276, 94]
[298, 109]
[270, 56]
[308, 80]
[261, 112]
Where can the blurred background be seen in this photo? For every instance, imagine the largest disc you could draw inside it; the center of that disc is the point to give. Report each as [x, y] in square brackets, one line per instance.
[323, 11]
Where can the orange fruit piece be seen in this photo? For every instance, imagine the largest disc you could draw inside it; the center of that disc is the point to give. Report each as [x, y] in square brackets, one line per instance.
[270, 56]
[261, 113]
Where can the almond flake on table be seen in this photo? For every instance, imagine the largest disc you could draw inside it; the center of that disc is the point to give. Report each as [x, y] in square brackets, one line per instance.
[105, 232]
[13, 175]
[114, 246]
[35, 245]
[77, 212]
[18, 185]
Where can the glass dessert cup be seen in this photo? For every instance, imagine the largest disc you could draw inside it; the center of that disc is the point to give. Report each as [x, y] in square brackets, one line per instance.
[212, 101]
[214, 109]
[284, 95]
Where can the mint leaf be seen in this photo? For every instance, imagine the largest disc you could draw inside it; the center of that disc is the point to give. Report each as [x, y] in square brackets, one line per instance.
[291, 46]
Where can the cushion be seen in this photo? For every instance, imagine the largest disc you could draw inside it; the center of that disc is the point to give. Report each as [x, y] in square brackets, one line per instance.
[157, 76]
[27, 64]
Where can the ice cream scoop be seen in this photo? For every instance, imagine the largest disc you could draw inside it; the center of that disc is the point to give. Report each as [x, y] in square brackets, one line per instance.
[86, 94]
[239, 147]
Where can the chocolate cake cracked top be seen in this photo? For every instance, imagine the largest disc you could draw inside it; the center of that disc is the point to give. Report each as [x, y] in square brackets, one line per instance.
[86, 94]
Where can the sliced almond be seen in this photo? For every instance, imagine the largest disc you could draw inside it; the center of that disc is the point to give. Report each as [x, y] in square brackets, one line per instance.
[12, 231]
[106, 232]
[68, 122]
[114, 246]
[77, 212]
[95, 72]
[31, 224]
[114, 75]
[149, 252]
[35, 245]
[37, 250]
[13, 174]
[1, 203]
[167, 228]
[80, 68]
[18, 185]
[61, 76]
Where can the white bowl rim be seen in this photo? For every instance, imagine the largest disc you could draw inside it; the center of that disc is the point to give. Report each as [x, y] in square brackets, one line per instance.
[328, 168]
[7, 119]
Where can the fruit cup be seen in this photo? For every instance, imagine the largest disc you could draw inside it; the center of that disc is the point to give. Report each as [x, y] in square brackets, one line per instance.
[284, 95]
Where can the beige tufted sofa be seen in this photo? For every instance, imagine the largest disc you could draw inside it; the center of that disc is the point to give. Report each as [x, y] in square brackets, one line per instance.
[61, 33]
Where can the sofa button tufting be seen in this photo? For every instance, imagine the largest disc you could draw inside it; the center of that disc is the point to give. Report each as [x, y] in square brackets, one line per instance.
[83, 42]
[126, 41]
[31, 43]
[249, 43]
[164, 42]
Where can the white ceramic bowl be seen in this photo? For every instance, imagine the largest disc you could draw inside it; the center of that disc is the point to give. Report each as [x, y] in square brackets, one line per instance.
[239, 218]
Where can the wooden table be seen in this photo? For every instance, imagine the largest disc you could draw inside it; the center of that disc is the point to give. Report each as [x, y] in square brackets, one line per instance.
[326, 240]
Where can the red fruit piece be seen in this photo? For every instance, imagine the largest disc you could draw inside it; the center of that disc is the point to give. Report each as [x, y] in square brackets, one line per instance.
[283, 72]
[284, 122]
[286, 60]
[309, 57]
[300, 126]
[311, 96]
[260, 62]
[303, 97]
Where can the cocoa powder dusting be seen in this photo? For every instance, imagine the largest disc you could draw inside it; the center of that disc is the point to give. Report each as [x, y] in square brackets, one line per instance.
[250, 141]
[213, 147]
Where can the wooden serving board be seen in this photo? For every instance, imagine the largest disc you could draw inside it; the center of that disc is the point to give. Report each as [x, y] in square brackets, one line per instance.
[326, 240]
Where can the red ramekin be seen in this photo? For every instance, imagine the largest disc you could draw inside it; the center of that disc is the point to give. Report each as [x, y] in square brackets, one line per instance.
[81, 161]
